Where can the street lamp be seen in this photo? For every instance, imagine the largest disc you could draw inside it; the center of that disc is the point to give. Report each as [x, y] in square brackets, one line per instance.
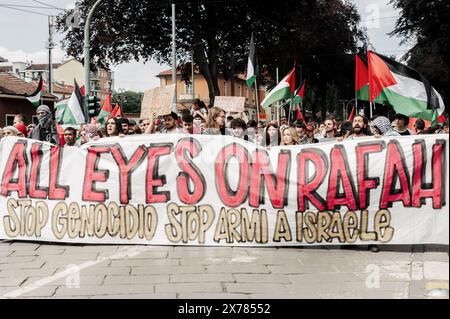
[87, 59]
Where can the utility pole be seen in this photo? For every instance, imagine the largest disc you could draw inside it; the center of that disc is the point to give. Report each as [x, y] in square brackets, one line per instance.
[87, 60]
[277, 107]
[193, 74]
[174, 61]
[50, 46]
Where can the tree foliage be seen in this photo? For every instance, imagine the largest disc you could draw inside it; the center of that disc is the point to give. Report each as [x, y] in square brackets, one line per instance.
[317, 35]
[426, 23]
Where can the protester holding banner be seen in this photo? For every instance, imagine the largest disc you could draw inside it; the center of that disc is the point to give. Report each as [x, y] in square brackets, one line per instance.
[272, 135]
[359, 127]
[46, 129]
[401, 124]
[170, 124]
[187, 124]
[289, 136]
[238, 129]
[70, 135]
[381, 126]
[419, 126]
[10, 131]
[309, 139]
[330, 130]
[216, 122]
[112, 127]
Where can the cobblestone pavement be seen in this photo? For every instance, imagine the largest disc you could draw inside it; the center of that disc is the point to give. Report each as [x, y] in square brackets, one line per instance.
[34, 270]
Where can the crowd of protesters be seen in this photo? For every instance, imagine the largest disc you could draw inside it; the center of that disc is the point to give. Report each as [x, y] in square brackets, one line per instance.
[215, 121]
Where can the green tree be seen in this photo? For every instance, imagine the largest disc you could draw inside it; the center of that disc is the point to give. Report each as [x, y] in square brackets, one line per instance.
[426, 23]
[131, 101]
[316, 34]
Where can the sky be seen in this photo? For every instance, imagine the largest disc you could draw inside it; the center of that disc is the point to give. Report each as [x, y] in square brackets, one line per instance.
[23, 37]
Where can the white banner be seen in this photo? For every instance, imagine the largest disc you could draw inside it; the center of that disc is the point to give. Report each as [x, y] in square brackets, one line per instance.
[169, 189]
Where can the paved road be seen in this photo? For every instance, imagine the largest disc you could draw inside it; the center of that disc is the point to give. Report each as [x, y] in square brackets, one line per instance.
[34, 270]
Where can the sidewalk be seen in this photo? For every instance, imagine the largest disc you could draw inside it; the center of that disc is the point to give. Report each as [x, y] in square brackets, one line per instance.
[34, 270]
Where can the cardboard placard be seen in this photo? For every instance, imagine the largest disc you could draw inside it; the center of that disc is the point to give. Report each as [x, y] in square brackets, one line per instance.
[230, 103]
[157, 101]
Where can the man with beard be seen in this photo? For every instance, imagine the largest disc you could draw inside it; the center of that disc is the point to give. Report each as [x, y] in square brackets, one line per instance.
[170, 124]
[124, 124]
[359, 126]
[46, 129]
[330, 130]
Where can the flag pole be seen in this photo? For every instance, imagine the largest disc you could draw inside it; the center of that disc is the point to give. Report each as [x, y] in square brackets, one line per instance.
[256, 101]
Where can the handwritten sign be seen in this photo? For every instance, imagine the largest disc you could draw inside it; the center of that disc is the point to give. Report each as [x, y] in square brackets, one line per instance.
[157, 101]
[230, 103]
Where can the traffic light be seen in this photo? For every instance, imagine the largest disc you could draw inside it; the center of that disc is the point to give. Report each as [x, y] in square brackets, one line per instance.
[94, 106]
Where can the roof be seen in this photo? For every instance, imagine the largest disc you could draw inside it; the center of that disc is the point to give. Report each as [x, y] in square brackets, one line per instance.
[9, 84]
[169, 73]
[63, 89]
[6, 68]
[39, 67]
[2, 59]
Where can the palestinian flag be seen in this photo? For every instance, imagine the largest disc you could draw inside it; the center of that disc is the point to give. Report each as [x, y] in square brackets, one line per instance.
[352, 114]
[361, 78]
[35, 97]
[404, 88]
[282, 91]
[71, 111]
[298, 98]
[117, 111]
[252, 66]
[106, 110]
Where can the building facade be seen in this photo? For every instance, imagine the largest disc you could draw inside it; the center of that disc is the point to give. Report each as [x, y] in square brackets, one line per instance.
[186, 92]
[63, 76]
[13, 100]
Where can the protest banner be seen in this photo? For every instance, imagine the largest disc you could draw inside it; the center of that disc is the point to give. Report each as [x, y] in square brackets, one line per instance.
[230, 103]
[157, 101]
[170, 189]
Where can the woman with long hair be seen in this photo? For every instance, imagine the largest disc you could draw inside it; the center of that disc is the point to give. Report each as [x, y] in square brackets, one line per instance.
[289, 136]
[216, 122]
[272, 137]
[112, 127]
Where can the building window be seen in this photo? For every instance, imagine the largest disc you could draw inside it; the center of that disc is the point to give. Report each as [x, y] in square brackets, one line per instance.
[240, 90]
[9, 119]
[188, 88]
[246, 93]
[224, 88]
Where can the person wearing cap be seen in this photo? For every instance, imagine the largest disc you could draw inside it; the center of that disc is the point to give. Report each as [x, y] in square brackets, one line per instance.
[401, 124]
[10, 131]
[170, 124]
[133, 128]
[46, 130]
